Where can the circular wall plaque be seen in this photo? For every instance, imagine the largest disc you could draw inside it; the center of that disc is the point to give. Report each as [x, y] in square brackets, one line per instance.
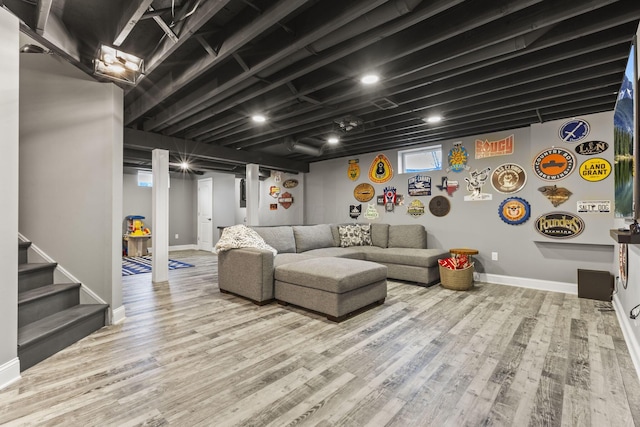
[508, 178]
[574, 130]
[595, 169]
[514, 210]
[554, 164]
[439, 206]
[364, 192]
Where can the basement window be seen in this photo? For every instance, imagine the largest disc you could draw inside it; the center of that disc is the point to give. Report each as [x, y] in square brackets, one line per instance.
[145, 179]
[420, 159]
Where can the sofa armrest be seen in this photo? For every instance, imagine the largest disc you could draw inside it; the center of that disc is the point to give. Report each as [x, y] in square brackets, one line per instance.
[247, 272]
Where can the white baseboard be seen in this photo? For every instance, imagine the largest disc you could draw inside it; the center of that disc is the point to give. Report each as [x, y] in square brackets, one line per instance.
[178, 248]
[627, 331]
[118, 315]
[9, 373]
[524, 282]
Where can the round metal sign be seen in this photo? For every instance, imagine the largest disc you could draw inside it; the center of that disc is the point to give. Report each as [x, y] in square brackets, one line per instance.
[508, 178]
[554, 164]
[595, 169]
[574, 130]
[439, 206]
[364, 192]
[514, 210]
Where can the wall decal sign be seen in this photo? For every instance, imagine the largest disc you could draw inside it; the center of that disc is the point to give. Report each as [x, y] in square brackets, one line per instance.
[574, 130]
[273, 206]
[286, 200]
[415, 208]
[448, 186]
[559, 225]
[274, 191]
[380, 200]
[595, 169]
[475, 183]
[594, 206]
[458, 158]
[420, 185]
[439, 206]
[554, 164]
[508, 178]
[355, 211]
[556, 195]
[514, 210]
[590, 148]
[290, 183]
[501, 147]
[371, 212]
[380, 170]
[364, 192]
[389, 198]
[354, 170]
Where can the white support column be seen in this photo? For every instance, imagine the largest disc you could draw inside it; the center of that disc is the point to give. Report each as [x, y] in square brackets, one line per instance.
[160, 215]
[253, 194]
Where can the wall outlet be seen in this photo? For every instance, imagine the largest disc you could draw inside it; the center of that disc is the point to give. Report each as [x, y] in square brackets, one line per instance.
[176, 235]
[494, 256]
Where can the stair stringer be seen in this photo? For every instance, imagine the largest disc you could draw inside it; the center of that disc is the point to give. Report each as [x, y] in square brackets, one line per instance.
[62, 275]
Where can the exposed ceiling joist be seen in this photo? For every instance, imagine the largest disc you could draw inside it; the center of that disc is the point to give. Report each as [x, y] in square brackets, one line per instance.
[129, 19]
[42, 15]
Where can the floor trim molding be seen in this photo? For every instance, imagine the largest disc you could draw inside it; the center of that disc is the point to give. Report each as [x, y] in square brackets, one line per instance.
[9, 373]
[627, 331]
[525, 282]
[118, 315]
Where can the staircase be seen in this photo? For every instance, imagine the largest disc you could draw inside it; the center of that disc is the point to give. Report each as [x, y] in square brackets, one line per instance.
[50, 316]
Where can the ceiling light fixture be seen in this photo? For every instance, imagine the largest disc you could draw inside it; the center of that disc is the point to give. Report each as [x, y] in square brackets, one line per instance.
[434, 119]
[369, 79]
[333, 139]
[258, 118]
[117, 65]
[184, 165]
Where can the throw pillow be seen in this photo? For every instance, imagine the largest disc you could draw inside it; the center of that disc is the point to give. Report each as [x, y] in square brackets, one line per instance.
[355, 235]
[241, 236]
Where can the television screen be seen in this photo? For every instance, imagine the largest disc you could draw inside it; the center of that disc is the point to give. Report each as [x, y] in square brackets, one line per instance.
[623, 139]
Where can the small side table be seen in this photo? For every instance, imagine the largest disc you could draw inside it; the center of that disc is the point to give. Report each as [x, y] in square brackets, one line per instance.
[463, 251]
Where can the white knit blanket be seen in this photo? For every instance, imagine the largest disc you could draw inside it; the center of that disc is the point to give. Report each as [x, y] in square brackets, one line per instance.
[241, 236]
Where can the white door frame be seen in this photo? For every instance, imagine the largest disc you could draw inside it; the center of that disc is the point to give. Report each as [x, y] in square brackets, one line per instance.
[204, 243]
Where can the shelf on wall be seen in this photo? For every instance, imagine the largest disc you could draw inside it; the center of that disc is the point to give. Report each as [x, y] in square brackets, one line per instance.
[624, 236]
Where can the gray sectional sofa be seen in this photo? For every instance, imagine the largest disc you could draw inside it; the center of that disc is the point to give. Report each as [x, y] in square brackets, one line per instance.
[313, 270]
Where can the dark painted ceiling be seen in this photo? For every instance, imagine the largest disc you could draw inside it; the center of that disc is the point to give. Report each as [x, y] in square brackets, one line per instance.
[484, 65]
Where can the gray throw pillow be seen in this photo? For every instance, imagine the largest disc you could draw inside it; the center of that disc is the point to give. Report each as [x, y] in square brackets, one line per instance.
[310, 237]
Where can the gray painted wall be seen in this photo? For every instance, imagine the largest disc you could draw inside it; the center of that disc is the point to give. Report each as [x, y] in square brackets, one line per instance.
[281, 216]
[9, 99]
[71, 171]
[182, 205]
[522, 252]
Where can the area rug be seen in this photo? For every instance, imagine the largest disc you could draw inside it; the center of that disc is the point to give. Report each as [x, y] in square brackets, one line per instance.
[142, 264]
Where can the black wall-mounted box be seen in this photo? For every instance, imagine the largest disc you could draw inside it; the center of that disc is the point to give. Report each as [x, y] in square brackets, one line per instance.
[595, 284]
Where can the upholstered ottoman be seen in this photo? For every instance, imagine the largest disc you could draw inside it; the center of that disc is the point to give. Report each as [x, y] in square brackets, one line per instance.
[336, 287]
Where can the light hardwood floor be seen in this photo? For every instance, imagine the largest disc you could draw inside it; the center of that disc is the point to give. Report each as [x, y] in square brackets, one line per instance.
[188, 355]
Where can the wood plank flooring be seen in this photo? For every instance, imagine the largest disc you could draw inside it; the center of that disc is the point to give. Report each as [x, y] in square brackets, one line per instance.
[188, 355]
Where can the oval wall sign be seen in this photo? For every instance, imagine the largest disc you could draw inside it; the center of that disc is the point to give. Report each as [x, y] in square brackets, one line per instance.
[595, 169]
[290, 183]
[559, 225]
[554, 164]
[590, 148]
[380, 170]
[508, 178]
[364, 192]
[514, 210]
[574, 130]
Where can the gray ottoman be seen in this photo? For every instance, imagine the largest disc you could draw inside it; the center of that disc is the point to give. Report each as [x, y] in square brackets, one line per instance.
[336, 287]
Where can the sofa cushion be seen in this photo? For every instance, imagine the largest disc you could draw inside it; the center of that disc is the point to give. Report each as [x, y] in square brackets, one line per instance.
[355, 235]
[282, 259]
[281, 238]
[380, 235]
[312, 237]
[351, 252]
[336, 275]
[408, 256]
[407, 236]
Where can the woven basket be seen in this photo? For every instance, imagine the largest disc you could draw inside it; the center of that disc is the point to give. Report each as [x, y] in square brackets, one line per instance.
[458, 280]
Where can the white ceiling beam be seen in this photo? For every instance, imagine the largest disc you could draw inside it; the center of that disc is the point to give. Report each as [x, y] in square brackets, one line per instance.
[42, 12]
[129, 19]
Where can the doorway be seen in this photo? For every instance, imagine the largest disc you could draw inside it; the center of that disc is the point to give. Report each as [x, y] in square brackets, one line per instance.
[205, 214]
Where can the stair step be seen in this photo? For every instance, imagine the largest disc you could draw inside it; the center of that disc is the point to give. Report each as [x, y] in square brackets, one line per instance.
[34, 275]
[22, 252]
[45, 337]
[46, 300]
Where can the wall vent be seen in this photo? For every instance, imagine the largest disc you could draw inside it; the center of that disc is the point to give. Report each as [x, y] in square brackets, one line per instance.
[384, 104]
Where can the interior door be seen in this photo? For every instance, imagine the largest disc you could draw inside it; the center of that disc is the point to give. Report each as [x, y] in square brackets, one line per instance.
[205, 214]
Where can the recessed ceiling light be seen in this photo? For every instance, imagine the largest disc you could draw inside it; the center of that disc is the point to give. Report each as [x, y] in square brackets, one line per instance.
[333, 140]
[434, 119]
[259, 118]
[184, 165]
[369, 79]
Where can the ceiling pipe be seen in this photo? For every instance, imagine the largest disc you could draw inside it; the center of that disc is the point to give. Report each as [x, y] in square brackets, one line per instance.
[297, 147]
[351, 27]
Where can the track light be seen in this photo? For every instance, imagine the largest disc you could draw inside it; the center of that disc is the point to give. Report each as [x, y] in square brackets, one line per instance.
[117, 65]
